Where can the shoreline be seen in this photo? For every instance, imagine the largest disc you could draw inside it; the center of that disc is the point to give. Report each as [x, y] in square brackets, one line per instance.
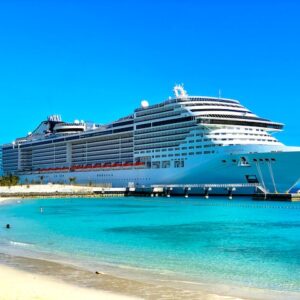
[104, 285]
[19, 284]
[107, 285]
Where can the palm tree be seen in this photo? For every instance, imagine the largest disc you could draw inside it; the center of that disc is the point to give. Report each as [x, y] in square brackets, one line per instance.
[9, 180]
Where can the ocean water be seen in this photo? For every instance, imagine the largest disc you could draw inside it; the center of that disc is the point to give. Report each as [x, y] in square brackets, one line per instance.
[235, 242]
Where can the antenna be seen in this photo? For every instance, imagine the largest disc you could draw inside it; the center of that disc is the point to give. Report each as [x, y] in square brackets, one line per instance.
[220, 93]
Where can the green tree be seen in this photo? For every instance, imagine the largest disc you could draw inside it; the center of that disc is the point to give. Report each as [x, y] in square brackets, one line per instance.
[72, 180]
[9, 180]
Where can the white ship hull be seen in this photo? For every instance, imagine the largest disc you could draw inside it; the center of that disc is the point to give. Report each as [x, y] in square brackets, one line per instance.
[274, 171]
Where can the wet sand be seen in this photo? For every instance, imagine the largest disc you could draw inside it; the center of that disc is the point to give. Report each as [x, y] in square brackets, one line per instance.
[16, 284]
[88, 280]
[86, 284]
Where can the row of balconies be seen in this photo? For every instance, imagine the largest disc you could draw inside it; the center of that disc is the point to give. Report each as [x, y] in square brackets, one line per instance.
[100, 148]
[102, 143]
[188, 124]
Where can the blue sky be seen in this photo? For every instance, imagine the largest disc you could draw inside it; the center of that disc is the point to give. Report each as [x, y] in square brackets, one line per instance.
[96, 60]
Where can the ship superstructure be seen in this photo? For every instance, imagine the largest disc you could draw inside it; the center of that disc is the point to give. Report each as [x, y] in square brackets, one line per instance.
[184, 140]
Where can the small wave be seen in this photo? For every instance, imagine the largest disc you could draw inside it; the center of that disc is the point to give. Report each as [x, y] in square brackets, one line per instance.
[136, 268]
[182, 281]
[20, 244]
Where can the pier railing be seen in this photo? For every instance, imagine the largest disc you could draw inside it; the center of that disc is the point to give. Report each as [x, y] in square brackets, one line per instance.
[207, 185]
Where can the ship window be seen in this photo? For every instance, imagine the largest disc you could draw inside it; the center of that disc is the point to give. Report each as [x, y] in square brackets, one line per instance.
[178, 163]
[143, 126]
[166, 164]
[251, 179]
[156, 165]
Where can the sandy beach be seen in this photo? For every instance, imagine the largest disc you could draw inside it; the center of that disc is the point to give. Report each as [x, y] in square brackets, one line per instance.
[17, 284]
[72, 283]
[46, 189]
[30, 278]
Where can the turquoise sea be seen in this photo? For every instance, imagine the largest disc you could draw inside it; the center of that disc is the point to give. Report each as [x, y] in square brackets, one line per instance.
[236, 242]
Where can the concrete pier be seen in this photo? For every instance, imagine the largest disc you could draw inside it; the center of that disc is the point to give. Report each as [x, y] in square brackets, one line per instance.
[201, 190]
[286, 197]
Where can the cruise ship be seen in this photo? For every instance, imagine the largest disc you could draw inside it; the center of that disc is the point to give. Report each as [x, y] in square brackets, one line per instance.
[185, 140]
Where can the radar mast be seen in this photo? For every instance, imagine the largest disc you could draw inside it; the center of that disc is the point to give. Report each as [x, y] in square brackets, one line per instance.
[179, 91]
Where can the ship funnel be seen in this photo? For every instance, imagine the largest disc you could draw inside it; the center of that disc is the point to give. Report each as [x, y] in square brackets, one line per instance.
[54, 118]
